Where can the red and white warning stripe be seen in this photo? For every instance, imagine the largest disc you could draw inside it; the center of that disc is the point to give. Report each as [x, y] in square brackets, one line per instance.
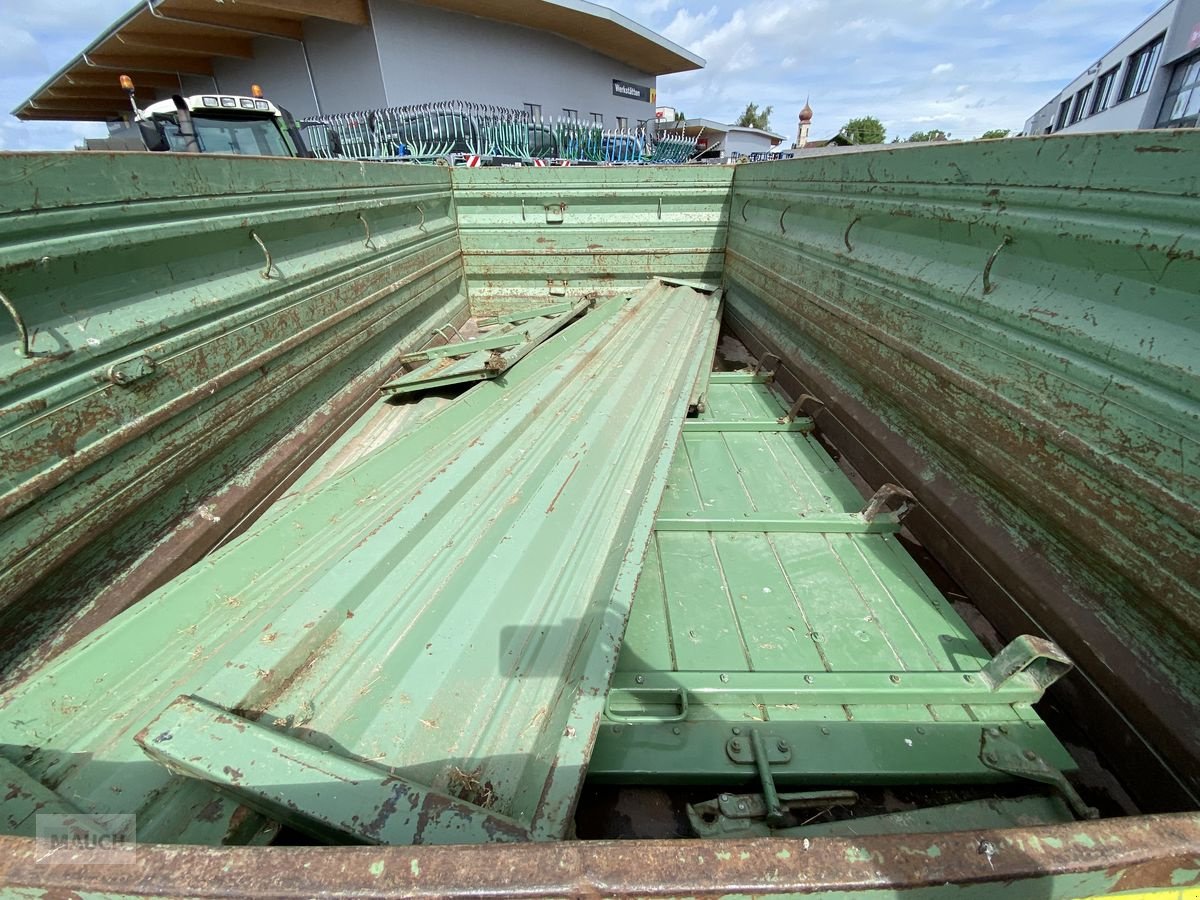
[474, 162]
[540, 163]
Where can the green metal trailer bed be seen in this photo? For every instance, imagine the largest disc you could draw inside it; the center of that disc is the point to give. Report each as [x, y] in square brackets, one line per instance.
[353, 504]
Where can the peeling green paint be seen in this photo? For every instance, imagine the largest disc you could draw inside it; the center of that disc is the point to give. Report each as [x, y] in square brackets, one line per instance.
[1185, 877]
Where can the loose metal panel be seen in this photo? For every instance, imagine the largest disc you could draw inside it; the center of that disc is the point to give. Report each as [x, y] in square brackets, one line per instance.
[447, 610]
[187, 318]
[1010, 328]
[528, 235]
[830, 642]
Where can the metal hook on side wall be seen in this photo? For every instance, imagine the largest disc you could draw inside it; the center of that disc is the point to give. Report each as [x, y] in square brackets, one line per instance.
[988, 287]
[367, 228]
[421, 224]
[20, 323]
[783, 227]
[762, 364]
[265, 273]
[846, 236]
[745, 203]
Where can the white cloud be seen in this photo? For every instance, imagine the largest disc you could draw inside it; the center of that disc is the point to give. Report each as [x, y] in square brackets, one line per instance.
[878, 57]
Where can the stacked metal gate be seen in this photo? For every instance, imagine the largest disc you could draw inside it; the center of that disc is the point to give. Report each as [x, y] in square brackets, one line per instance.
[464, 133]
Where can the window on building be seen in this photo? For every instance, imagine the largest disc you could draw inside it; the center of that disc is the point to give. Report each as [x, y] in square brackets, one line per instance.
[571, 115]
[598, 118]
[1181, 108]
[1064, 110]
[1140, 70]
[622, 122]
[535, 111]
[1079, 106]
[1102, 96]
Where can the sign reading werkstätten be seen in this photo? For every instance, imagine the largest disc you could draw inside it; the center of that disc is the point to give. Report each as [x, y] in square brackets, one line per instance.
[632, 91]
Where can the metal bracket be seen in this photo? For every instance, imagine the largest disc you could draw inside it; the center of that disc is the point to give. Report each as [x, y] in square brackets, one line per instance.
[555, 213]
[1040, 660]
[742, 814]
[763, 362]
[367, 227]
[741, 749]
[266, 272]
[798, 407]
[438, 331]
[127, 371]
[988, 287]
[763, 752]
[846, 236]
[1002, 754]
[556, 289]
[20, 323]
[887, 494]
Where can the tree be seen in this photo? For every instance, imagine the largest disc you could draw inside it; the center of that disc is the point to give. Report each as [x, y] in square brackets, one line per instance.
[995, 133]
[935, 134]
[865, 130]
[752, 118]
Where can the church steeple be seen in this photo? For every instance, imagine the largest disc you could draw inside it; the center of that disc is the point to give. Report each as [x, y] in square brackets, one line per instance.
[806, 115]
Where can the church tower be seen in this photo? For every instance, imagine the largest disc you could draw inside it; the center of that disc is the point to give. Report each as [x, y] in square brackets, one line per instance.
[806, 115]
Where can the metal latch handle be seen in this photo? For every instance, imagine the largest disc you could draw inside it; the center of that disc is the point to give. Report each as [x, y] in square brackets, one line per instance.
[634, 719]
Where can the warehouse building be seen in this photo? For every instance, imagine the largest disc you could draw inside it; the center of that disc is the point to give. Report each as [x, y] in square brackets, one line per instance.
[1151, 79]
[717, 140]
[553, 57]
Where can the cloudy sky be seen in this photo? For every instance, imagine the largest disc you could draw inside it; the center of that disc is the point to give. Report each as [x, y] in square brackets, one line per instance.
[963, 66]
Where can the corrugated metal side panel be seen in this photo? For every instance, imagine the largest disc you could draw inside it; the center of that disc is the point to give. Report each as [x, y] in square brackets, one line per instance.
[238, 366]
[1021, 316]
[451, 606]
[525, 231]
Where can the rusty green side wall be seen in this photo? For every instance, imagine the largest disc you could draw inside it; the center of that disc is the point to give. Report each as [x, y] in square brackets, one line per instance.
[1045, 412]
[529, 234]
[133, 257]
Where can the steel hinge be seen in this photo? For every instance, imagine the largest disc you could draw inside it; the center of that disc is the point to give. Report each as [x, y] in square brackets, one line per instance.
[1001, 753]
[744, 815]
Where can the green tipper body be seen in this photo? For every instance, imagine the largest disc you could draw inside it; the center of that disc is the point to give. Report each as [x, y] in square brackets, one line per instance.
[393, 504]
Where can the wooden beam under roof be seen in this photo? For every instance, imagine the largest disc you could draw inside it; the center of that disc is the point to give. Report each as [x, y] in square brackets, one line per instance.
[244, 19]
[131, 62]
[85, 94]
[351, 12]
[174, 41]
[104, 109]
[29, 113]
[88, 78]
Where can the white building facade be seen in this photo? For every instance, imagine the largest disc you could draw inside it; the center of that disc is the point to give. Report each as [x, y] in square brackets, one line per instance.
[1151, 79]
